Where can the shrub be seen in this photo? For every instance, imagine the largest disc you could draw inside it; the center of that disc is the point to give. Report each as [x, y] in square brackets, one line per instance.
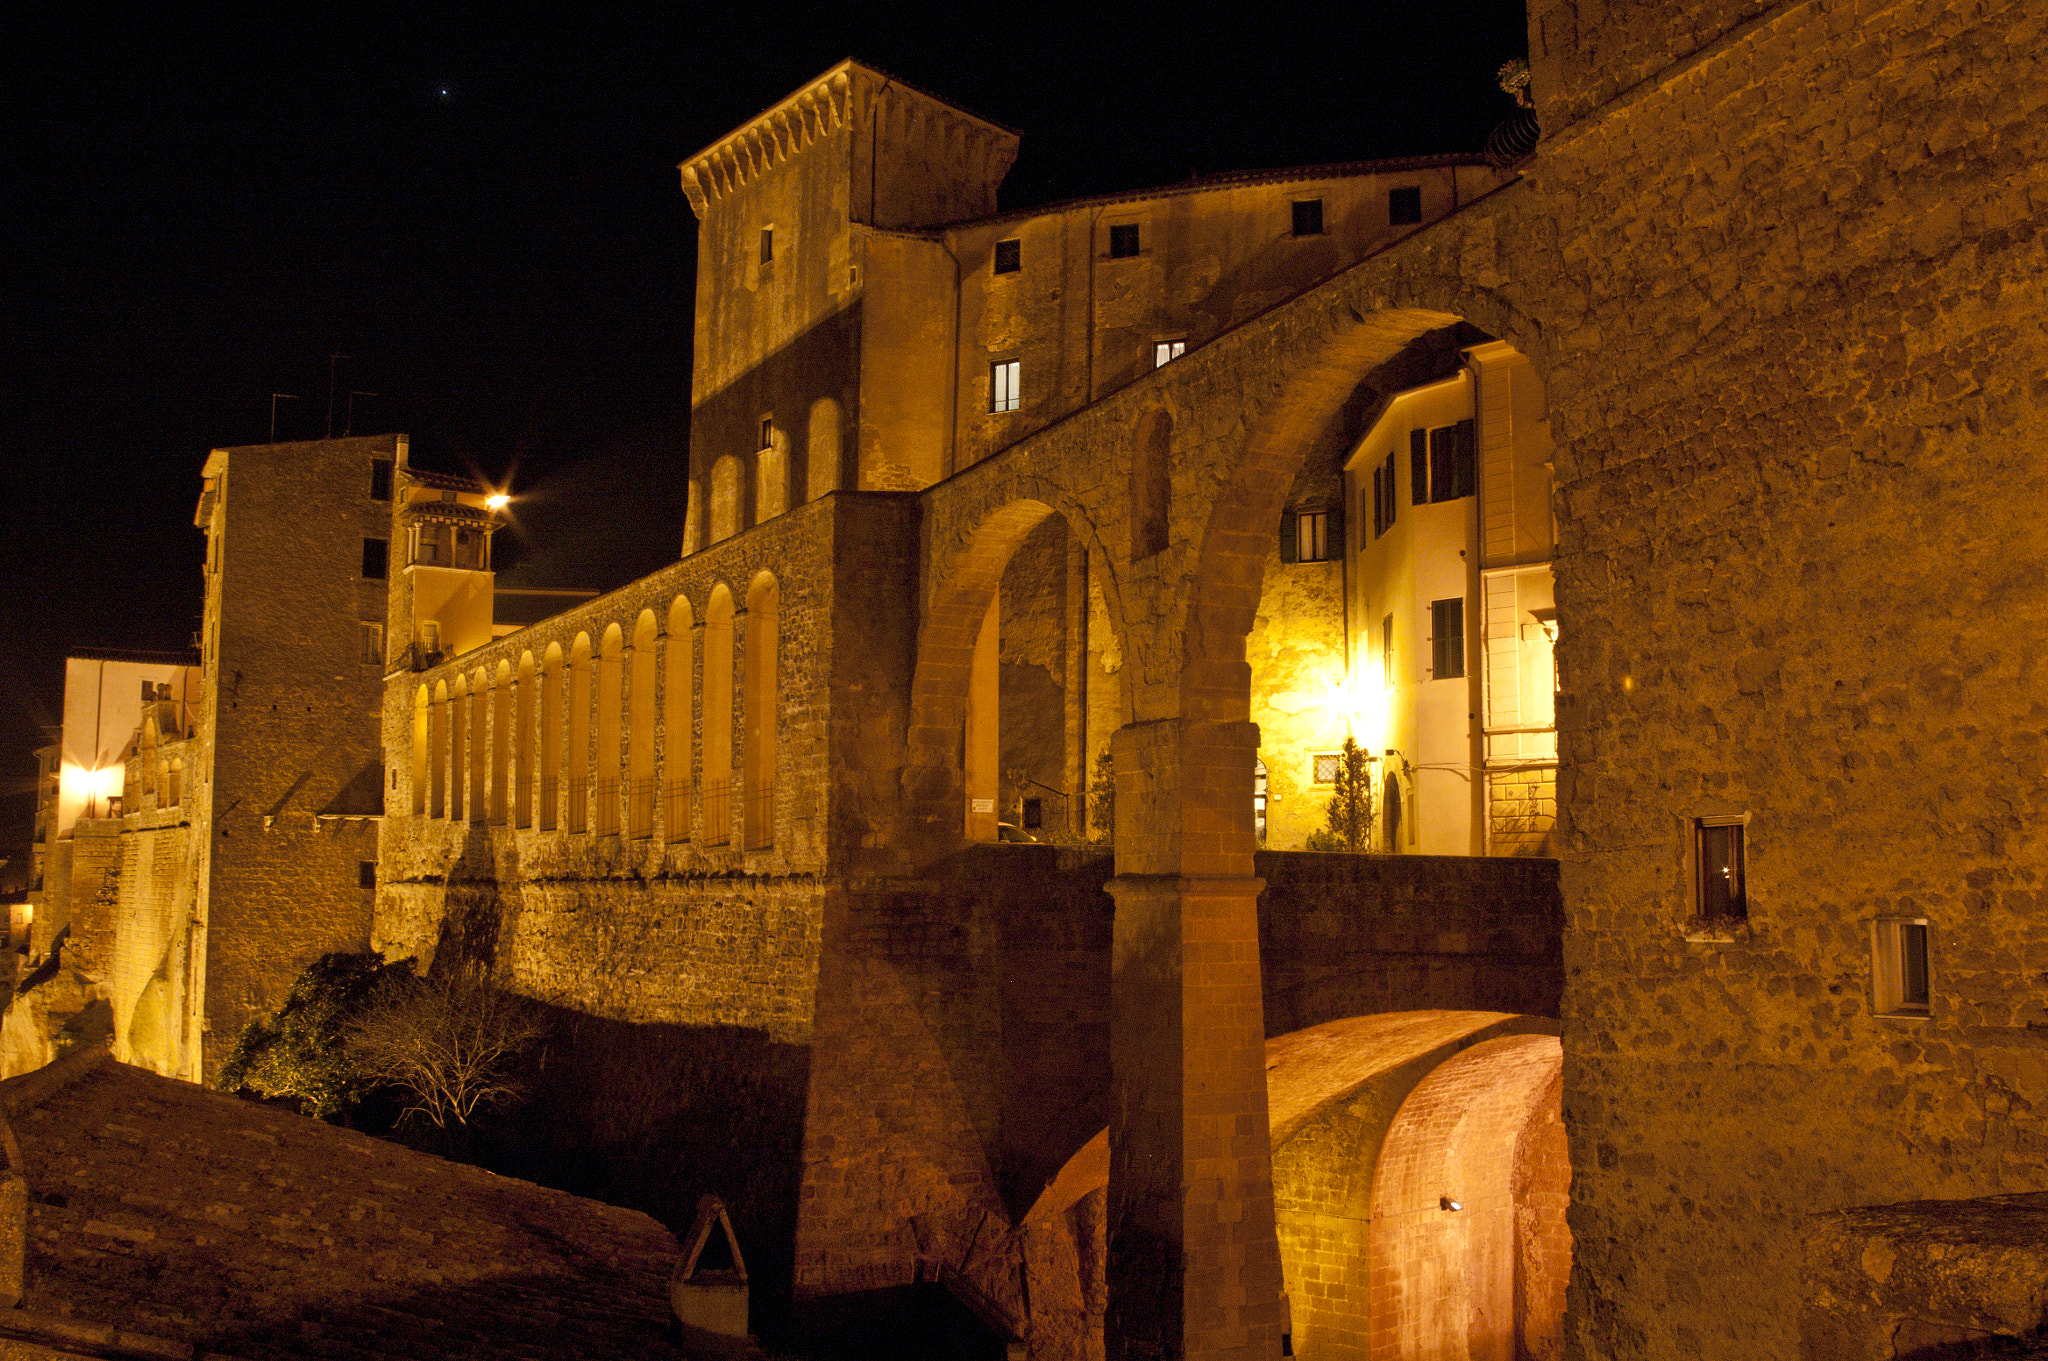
[450, 1043]
[301, 1053]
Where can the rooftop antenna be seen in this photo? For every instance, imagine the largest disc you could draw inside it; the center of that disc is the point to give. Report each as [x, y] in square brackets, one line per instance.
[348, 425]
[275, 398]
[333, 361]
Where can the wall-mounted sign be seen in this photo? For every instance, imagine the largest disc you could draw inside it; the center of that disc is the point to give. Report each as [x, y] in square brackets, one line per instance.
[984, 805]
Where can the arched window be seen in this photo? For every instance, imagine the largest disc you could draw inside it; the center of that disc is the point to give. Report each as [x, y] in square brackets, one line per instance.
[501, 742]
[550, 736]
[640, 731]
[479, 746]
[717, 787]
[764, 598]
[675, 723]
[457, 727]
[422, 747]
[437, 748]
[605, 766]
[174, 783]
[1151, 484]
[577, 761]
[522, 739]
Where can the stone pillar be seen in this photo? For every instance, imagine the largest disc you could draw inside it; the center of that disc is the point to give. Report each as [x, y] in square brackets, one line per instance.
[1194, 1260]
[1075, 685]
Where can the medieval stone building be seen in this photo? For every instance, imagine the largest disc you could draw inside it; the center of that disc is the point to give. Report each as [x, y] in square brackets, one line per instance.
[978, 498]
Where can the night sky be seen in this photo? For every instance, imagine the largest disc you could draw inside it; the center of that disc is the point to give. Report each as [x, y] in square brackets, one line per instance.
[482, 210]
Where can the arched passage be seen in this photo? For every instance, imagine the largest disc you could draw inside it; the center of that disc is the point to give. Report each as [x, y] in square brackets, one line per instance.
[764, 603]
[522, 736]
[677, 711]
[1006, 700]
[422, 747]
[604, 771]
[717, 786]
[550, 736]
[501, 743]
[577, 760]
[1408, 1098]
[640, 732]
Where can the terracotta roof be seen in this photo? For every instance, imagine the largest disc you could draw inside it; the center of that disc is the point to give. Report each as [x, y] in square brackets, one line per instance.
[454, 512]
[426, 477]
[173, 1212]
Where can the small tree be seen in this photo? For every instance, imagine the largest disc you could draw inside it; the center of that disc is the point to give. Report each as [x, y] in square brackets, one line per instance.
[301, 1053]
[1102, 799]
[1349, 818]
[450, 1043]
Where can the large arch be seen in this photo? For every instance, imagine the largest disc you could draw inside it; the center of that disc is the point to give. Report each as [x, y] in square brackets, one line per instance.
[761, 713]
[1399, 1100]
[716, 790]
[604, 770]
[640, 729]
[677, 713]
[551, 736]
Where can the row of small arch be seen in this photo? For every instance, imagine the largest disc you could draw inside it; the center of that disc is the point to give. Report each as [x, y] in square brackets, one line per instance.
[587, 740]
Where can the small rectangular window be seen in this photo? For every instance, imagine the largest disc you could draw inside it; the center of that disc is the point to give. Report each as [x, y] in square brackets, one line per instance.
[1312, 536]
[380, 479]
[1379, 503]
[1418, 467]
[1123, 241]
[1387, 651]
[1308, 217]
[376, 559]
[1719, 868]
[1393, 506]
[1009, 256]
[1005, 385]
[1034, 814]
[1447, 639]
[366, 874]
[1166, 351]
[1324, 766]
[767, 244]
[1404, 205]
[1898, 956]
[767, 433]
[373, 644]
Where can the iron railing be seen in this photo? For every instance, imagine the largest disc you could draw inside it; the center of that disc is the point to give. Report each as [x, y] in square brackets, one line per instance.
[549, 808]
[579, 804]
[675, 810]
[607, 807]
[760, 817]
[640, 809]
[717, 812]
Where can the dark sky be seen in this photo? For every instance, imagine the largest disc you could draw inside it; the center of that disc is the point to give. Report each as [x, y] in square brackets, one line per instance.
[481, 208]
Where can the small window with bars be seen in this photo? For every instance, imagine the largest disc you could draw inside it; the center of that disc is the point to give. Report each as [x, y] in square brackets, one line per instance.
[1123, 241]
[1898, 958]
[1005, 385]
[1324, 765]
[1009, 256]
[1447, 639]
[1164, 352]
[1720, 868]
[1404, 205]
[1308, 217]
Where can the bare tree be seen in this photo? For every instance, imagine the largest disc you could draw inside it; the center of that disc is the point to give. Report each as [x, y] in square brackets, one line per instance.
[450, 1042]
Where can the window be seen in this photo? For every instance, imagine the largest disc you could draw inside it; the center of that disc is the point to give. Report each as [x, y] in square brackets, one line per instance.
[366, 874]
[1718, 868]
[1034, 813]
[1308, 217]
[373, 644]
[1898, 958]
[380, 479]
[1383, 502]
[1387, 651]
[1312, 536]
[376, 559]
[767, 244]
[1166, 351]
[1009, 256]
[1447, 638]
[430, 637]
[767, 433]
[1005, 385]
[1404, 204]
[1443, 464]
[1324, 765]
[1123, 241]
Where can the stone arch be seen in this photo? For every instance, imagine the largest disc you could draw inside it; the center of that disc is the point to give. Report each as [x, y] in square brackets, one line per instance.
[522, 738]
[1151, 495]
[956, 614]
[422, 747]
[438, 752]
[604, 770]
[764, 602]
[1339, 1094]
[677, 684]
[640, 728]
[479, 745]
[501, 745]
[577, 760]
[458, 714]
[550, 736]
[717, 700]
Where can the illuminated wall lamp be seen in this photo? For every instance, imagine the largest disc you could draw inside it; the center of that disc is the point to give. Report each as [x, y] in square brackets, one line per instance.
[1446, 1203]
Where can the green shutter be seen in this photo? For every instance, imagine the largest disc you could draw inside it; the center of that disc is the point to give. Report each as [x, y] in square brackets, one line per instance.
[1418, 466]
[1289, 541]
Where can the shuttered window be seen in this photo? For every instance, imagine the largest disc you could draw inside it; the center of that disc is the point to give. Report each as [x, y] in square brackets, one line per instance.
[1447, 639]
[1418, 467]
[1009, 256]
[1392, 504]
[1444, 462]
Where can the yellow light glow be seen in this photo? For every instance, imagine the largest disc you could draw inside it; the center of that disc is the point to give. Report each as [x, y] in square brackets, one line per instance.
[79, 783]
[497, 501]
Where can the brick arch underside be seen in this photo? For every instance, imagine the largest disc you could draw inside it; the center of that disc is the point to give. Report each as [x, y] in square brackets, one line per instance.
[1311, 1075]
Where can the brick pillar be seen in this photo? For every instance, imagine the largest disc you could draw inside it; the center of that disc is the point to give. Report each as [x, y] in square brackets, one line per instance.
[1194, 1260]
